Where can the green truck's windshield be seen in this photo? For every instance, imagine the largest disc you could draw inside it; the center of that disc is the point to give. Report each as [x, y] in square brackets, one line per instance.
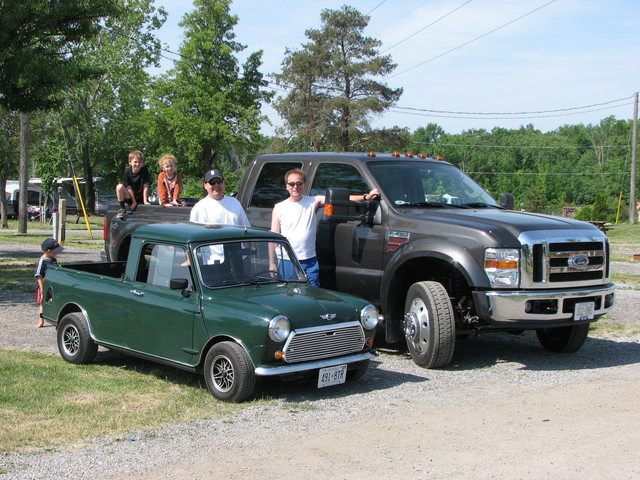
[237, 263]
[425, 184]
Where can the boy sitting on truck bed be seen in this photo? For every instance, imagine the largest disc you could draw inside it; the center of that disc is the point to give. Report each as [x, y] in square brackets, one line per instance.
[134, 188]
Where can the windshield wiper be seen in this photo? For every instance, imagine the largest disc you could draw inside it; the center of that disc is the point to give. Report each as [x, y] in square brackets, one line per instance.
[402, 203]
[479, 205]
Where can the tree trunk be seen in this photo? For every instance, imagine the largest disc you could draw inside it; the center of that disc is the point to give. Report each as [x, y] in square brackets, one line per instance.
[23, 215]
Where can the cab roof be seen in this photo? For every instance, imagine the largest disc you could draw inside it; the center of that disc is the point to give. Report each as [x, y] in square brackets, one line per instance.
[188, 232]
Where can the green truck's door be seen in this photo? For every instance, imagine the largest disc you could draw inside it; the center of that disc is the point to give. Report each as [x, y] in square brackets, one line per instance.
[161, 320]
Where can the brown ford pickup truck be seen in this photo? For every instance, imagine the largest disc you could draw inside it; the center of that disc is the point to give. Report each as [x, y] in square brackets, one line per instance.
[436, 254]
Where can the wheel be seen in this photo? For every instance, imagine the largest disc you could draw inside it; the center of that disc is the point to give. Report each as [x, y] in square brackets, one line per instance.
[228, 372]
[563, 339]
[429, 325]
[74, 340]
[359, 371]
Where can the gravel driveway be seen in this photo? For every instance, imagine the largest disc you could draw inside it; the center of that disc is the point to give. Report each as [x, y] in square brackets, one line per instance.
[504, 408]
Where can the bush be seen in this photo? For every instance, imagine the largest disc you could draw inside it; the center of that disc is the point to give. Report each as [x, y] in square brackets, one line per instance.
[584, 213]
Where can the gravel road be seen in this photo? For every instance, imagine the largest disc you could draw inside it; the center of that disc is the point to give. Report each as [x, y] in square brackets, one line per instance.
[504, 408]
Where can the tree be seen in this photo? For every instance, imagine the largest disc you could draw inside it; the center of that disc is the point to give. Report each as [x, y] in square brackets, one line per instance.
[94, 108]
[331, 81]
[207, 109]
[9, 150]
[35, 64]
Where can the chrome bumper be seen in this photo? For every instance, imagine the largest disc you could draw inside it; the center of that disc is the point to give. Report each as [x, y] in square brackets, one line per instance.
[305, 366]
[510, 307]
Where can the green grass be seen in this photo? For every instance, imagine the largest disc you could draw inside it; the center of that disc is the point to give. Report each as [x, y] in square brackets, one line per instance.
[17, 273]
[46, 402]
[624, 233]
[604, 328]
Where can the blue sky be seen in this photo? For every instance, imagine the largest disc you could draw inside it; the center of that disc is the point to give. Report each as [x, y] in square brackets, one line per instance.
[544, 58]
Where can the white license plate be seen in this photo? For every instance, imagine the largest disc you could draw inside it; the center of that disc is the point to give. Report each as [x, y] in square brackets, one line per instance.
[332, 376]
[583, 311]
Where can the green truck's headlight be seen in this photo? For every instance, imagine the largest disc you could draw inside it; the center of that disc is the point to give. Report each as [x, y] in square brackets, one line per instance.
[279, 328]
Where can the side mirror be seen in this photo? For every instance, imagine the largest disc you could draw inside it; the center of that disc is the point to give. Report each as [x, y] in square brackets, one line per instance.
[507, 201]
[180, 284]
[338, 208]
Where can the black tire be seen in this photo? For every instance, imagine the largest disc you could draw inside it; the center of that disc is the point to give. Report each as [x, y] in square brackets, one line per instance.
[429, 325]
[74, 340]
[563, 339]
[228, 372]
[358, 371]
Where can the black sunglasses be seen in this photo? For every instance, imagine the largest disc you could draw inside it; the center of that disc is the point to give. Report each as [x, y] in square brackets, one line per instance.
[215, 182]
[295, 184]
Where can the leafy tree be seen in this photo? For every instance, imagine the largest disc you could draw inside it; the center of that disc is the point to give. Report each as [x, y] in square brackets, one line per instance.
[35, 61]
[99, 117]
[331, 80]
[207, 109]
[9, 151]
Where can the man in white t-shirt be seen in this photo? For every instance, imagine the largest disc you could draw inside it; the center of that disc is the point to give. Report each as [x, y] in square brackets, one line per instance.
[295, 218]
[216, 207]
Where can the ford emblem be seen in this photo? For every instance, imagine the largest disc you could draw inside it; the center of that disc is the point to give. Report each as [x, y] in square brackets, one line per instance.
[580, 262]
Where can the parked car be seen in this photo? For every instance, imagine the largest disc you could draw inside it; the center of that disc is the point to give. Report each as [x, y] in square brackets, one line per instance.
[202, 298]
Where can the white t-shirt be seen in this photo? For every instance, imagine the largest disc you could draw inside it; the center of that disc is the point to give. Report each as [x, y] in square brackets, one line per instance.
[298, 224]
[227, 211]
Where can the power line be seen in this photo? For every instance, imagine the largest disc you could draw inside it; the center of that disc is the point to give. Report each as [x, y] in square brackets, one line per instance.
[519, 113]
[424, 28]
[533, 147]
[526, 117]
[471, 41]
[370, 11]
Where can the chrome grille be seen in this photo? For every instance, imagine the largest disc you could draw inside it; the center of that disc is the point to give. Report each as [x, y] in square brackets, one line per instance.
[549, 261]
[316, 343]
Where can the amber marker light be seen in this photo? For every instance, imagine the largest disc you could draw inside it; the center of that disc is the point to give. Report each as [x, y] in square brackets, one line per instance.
[500, 264]
[369, 342]
[279, 354]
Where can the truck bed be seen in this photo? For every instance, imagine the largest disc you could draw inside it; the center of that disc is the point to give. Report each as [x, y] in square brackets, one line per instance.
[106, 269]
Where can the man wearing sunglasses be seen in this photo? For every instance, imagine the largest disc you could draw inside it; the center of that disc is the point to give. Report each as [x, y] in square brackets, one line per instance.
[216, 207]
[295, 218]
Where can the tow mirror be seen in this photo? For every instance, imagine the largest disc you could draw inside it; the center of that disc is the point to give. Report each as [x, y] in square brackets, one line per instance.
[338, 208]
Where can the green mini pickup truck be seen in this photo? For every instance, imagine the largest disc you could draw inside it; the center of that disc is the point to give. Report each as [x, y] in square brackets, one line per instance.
[202, 298]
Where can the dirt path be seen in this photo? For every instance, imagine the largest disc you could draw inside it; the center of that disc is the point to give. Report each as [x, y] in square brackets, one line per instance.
[482, 431]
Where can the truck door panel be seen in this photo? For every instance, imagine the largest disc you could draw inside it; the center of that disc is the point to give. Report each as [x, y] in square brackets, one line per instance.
[160, 320]
[350, 253]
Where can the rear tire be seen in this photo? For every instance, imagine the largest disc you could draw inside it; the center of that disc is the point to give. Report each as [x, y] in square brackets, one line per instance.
[563, 339]
[74, 340]
[429, 325]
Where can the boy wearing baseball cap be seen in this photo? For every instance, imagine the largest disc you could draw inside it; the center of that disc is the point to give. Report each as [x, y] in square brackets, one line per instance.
[50, 248]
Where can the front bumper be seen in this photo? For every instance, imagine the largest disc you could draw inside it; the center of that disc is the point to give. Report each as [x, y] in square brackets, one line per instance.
[529, 308]
[314, 365]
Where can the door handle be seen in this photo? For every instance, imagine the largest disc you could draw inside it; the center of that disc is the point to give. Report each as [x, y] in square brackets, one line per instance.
[135, 292]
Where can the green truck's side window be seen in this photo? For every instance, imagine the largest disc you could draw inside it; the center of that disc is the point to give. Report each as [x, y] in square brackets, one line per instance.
[161, 263]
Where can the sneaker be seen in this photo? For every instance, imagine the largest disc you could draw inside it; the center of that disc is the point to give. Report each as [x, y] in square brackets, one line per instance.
[121, 213]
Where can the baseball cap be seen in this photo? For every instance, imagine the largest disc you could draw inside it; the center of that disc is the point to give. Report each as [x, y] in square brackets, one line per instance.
[211, 174]
[51, 244]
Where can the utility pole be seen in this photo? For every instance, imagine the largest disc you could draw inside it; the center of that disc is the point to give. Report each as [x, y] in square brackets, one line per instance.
[633, 212]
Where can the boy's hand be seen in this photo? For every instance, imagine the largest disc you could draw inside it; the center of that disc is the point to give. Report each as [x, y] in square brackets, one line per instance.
[133, 206]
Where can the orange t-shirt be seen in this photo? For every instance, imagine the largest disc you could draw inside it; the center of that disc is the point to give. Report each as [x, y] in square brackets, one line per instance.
[168, 189]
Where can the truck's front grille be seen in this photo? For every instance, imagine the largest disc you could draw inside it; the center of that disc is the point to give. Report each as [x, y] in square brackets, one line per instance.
[324, 342]
[567, 262]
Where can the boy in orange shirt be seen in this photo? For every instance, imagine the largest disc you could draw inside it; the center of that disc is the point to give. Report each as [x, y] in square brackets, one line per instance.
[169, 182]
